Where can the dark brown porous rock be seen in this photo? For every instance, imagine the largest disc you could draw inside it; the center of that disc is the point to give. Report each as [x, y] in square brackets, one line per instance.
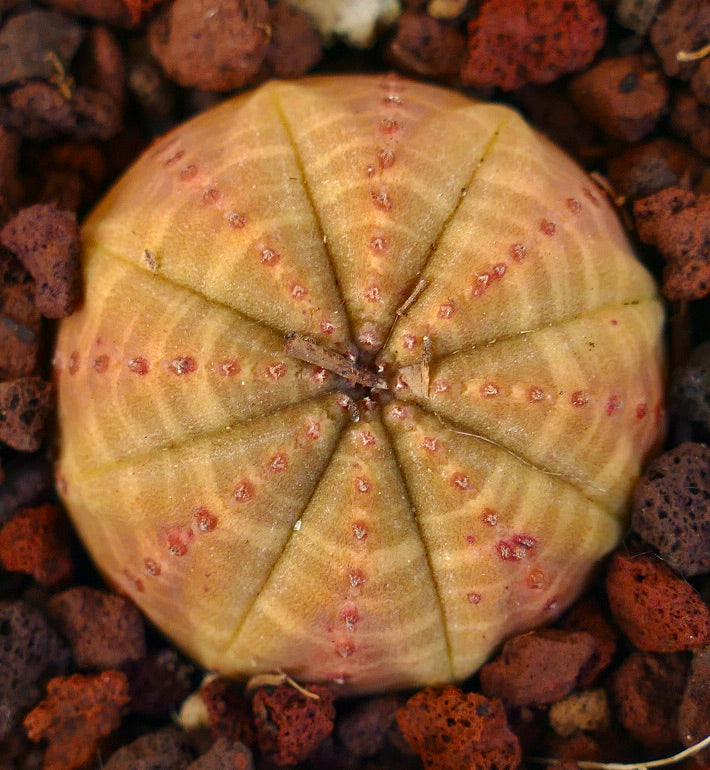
[25, 40]
[690, 389]
[677, 223]
[215, 51]
[228, 710]
[622, 96]
[78, 712]
[549, 38]
[19, 319]
[225, 755]
[46, 240]
[646, 168]
[671, 505]
[36, 541]
[657, 610]
[40, 111]
[682, 26]
[427, 47]
[25, 404]
[691, 120]
[165, 749]
[158, 682]
[450, 730]
[694, 710]
[10, 181]
[29, 649]
[26, 480]
[289, 724]
[588, 615]
[363, 731]
[538, 667]
[646, 690]
[104, 630]
[112, 11]
[103, 67]
[295, 46]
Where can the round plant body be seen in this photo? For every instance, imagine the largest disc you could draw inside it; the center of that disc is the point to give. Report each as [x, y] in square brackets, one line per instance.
[362, 380]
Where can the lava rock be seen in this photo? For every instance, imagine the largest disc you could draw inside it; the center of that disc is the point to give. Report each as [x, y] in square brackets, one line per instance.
[690, 390]
[165, 749]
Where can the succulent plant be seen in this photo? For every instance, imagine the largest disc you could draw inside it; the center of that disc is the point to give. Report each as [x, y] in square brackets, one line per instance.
[362, 380]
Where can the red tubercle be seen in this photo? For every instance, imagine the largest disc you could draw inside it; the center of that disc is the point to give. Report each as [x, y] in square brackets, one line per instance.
[350, 616]
[243, 492]
[591, 196]
[179, 155]
[74, 361]
[613, 404]
[362, 484]
[367, 439]
[480, 284]
[535, 394]
[378, 243]
[389, 125]
[359, 530]
[152, 567]
[319, 375]
[211, 196]
[386, 157]
[579, 398]
[471, 539]
[138, 365]
[614, 322]
[518, 251]
[100, 364]
[313, 430]
[536, 579]
[641, 410]
[574, 205]
[489, 390]
[275, 371]
[205, 520]
[178, 541]
[489, 517]
[236, 220]
[381, 199]
[188, 172]
[473, 597]
[182, 365]
[460, 481]
[278, 463]
[227, 368]
[344, 649]
[356, 578]
[446, 310]
[269, 256]
[137, 582]
[409, 341]
[372, 294]
[326, 326]
[547, 227]
[441, 386]
[298, 291]
[430, 444]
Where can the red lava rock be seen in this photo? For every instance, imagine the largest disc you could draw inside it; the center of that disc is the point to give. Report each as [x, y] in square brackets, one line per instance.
[646, 168]
[289, 725]
[123, 13]
[158, 682]
[363, 731]
[677, 223]
[647, 690]
[46, 240]
[19, 320]
[538, 667]
[657, 610]
[514, 42]
[295, 46]
[622, 96]
[165, 749]
[694, 709]
[690, 389]
[36, 541]
[682, 25]
[225, 755]
[24, 405]
[217, 51]
[29, 649]
[70, 174]
[103, 629]
[427, 47]
[587, 615]
[25, 40]
[671, 507]
[76, 714]
[450, 730]
[228, 710]
[691, 119]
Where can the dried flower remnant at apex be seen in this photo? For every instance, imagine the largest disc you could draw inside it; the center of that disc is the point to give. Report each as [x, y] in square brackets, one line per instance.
[275, 495]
